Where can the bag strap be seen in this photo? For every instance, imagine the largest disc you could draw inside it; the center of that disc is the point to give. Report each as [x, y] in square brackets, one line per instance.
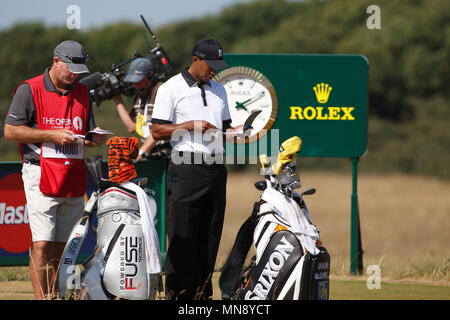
[232, 269]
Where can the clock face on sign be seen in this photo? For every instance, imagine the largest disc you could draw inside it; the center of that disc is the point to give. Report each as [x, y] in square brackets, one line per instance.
[249, 90]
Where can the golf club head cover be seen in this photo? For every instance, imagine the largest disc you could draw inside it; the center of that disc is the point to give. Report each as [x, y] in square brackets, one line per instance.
[122, 151]
[288, 151]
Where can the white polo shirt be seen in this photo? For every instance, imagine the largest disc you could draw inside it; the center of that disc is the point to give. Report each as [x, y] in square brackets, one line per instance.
[180, 100]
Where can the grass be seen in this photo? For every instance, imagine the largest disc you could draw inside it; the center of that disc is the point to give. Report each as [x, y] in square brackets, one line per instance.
[428, 268]
[14, 274]
[340, 289]
[356, 289]
[422, 269]
[404, 222]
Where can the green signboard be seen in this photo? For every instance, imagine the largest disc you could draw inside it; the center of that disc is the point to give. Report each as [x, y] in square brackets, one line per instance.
[320, 98]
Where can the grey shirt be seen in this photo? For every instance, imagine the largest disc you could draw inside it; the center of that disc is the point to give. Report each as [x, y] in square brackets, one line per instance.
[22, 112]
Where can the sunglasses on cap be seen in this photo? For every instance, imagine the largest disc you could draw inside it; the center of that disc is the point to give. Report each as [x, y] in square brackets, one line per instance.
[76, 59]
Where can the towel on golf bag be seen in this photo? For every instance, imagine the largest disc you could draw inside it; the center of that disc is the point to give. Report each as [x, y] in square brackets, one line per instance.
[122, 151]
[151, 240]
[287, 208]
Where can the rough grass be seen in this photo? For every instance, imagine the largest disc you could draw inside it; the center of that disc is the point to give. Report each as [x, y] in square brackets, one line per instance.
[356, 289]
[14, 274]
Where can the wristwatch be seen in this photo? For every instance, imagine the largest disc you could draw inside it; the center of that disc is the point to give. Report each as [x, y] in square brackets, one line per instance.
[141, 153]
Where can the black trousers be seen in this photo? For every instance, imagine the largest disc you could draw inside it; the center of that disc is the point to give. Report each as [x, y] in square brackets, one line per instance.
[198, 196]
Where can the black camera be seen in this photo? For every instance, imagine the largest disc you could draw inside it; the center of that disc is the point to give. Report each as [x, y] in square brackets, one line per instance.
[160, 60]
[103, 86]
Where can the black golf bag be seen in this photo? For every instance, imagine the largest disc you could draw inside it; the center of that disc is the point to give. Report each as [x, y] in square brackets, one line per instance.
[290, 262]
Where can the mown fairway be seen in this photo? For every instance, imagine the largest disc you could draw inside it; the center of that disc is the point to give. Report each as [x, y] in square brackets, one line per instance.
[340, 289]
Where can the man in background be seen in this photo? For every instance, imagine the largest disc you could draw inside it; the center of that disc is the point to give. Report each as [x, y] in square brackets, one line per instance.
[142, 75]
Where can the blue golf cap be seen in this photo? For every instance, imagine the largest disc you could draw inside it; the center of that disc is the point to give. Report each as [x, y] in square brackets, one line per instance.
[138, 69]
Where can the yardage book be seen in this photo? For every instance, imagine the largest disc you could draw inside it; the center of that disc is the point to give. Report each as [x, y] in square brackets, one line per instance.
[89, 134]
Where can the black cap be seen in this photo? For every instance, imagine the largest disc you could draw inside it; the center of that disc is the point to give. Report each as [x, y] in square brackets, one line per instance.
[211, 51]
[72, 53]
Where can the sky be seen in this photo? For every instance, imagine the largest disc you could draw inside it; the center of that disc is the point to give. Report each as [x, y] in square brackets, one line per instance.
[96, 13]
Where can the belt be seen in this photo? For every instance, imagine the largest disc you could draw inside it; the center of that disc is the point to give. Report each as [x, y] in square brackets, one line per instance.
[197, 158]
[32, 161]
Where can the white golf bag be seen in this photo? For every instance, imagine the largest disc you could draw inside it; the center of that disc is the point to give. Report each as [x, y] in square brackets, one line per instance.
[290, 263]
[119, 267]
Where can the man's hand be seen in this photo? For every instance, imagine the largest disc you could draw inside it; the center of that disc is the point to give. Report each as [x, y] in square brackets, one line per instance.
[97, 139]
[24, 134]
[62, 136]
[165, 131]
[237, 132]
[199, 125]
[239, 129]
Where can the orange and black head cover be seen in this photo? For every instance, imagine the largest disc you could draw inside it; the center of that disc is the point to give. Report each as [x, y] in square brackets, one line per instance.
[122, 152]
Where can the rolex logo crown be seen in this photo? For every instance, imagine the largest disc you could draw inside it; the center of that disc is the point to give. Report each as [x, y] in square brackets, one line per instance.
[322, 91]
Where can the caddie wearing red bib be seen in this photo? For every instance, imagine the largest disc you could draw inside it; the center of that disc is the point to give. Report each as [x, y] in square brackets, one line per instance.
[45, 114]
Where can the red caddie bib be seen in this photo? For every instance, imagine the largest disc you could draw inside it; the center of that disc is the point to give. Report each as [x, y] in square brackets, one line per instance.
[63, 171]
